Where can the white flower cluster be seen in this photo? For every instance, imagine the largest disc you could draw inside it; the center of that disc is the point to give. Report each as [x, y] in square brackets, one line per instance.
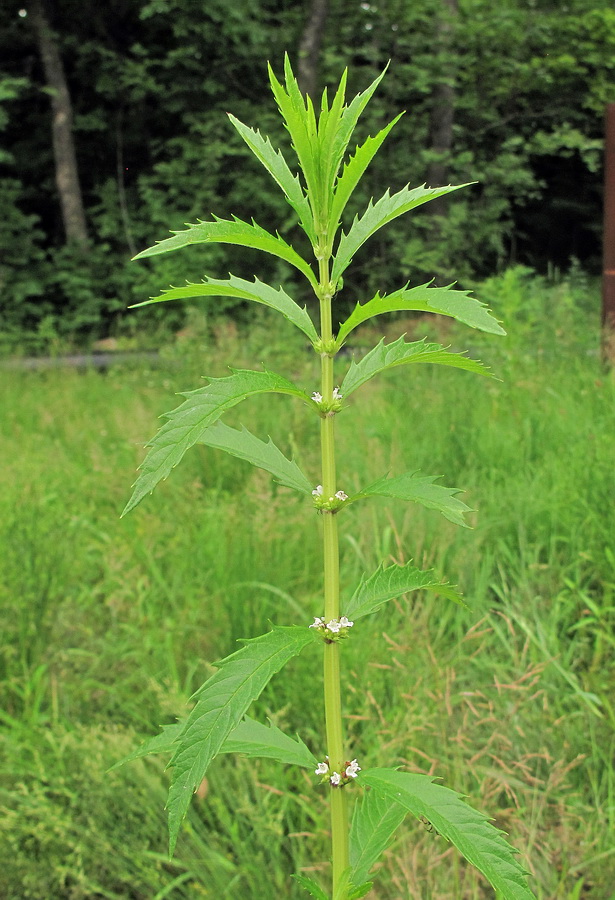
[339, 495]
[334, 626]
[317, 396]
[351, 770]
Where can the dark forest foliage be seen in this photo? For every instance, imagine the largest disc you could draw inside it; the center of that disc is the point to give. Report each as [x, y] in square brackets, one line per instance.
[510, 95]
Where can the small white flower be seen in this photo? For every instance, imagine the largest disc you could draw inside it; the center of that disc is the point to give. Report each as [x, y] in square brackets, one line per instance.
[317, 622]
[317, 492]
[346, 623]
[336, 394]
[335, 778]
[341, 495]
[333, 626]
[322, 768]
[317, 397]
[352, 769]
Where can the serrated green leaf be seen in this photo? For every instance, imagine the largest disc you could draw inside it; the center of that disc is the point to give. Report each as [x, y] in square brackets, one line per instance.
[220, 706]
[278, 168]
[266, 456]
[256, 740]
[423, 298]
[348, 120]
[353, 171]
[298, 114]
[470, 831]
[378, 214]
[201, 409]
[387, 584]
[256, 290]
[235, 231]
[249, 737]
[161, 743]
[387, 356]
[313, 889]
[374, 822]
[419, 489]
[356, 891]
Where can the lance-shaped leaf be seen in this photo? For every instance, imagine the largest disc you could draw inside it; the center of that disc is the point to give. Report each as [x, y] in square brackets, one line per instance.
[249, 737]
[255, 290]
[387, 584]
[277, 167]
[353, 171]
[419, 489]
[357, 891]
[340, 138]
[389, 207]
[263, 454]
[386, 356]
[235, 231]
[298, 114]
[423, 298]
[268, 741]
[161, 743]
[201, 409]
[478, 841]
[220, 706]
[311, 886]
[374, 822]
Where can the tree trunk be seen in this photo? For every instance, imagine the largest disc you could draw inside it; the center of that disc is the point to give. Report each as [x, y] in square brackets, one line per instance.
[67, 177]
[443, 110]
[309, 47]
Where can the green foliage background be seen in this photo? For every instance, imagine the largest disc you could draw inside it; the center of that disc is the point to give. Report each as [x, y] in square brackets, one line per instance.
[107, 626]
[150, 83]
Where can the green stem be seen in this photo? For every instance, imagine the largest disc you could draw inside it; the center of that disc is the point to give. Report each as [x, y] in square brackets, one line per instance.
[332, 684]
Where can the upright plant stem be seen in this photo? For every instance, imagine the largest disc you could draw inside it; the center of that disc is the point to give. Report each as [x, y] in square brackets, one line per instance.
[332, 686]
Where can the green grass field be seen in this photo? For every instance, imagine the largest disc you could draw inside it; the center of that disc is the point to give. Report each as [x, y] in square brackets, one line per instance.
[107, 626]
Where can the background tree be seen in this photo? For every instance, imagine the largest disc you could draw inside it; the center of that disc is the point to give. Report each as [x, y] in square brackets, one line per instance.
[149, 78]
[65, 157]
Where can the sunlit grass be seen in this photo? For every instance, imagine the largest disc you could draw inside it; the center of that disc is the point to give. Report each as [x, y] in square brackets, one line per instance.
[108, 625]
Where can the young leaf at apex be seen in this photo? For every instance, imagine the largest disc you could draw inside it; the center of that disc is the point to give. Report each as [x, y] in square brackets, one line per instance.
[278, 168]
[220, 706]
[478, 841]
[353, 171]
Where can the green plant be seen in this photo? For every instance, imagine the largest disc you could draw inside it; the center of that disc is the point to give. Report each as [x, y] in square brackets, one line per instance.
[218, 722]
